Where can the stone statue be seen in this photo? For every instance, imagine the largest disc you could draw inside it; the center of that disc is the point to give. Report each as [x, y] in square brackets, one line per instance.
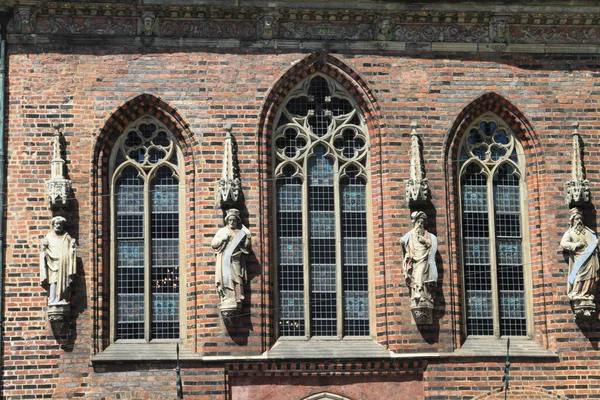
[57, 261]
[231, 245]
[420, 270]
[581, 244]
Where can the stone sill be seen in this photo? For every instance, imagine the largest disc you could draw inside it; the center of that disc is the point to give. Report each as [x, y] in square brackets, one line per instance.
[496, 347]
[122, 352]
[324, 350]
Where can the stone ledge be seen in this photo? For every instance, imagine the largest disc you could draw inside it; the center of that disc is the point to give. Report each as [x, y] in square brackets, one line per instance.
[492, 347]
[327, 349]
[121, 352]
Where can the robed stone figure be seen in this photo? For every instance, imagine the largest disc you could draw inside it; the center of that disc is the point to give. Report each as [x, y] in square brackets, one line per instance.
[231, 245]
[420, 270]
[581, 244]
[57, 262]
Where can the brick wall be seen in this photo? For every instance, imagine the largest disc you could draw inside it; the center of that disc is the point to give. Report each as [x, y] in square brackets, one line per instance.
[96, 93]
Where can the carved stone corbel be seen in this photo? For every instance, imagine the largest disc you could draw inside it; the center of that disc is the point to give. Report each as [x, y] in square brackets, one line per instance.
[58, 187]
[577, 189]
[229, 187]
[417, 186]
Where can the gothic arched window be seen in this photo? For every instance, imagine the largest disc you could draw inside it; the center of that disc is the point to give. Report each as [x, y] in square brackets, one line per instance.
[321, 164]
[146, 187]
[493, 220]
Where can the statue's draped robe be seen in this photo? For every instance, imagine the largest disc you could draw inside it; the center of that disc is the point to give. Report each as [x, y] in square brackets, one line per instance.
[583, 263]
[419, 264]
[231, 246]
[57, 264]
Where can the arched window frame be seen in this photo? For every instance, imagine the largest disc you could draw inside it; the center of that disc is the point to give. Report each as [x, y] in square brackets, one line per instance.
[340, 164]
[515, 158]
[147, 171]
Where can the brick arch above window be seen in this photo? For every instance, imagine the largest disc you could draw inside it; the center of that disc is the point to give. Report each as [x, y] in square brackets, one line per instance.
[326, 396]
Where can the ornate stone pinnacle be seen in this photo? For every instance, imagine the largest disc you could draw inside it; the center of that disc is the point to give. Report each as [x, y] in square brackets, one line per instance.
[229, 188]
[577, 189]
[58, 187]
[417, 186]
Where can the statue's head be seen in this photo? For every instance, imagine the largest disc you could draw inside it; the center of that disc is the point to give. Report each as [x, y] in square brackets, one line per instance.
[419, 218]
[232, 218]
[58, 225]
[576, 218]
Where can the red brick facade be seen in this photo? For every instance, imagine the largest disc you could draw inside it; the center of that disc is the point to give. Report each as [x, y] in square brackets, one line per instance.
[95, 90]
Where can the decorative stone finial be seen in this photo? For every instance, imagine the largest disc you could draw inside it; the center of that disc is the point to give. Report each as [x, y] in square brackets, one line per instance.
[229, 188]
[417, 186]
[58, 187]
[577, 189]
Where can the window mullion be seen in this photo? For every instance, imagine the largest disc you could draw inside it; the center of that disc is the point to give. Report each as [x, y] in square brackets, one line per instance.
[147, 262]
[306, 251]
[113, 262]
[493, 259]
[338, 250]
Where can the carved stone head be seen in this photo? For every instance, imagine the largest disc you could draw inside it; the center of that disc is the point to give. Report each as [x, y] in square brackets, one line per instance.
[385, 30]
[148, 20]
[58, 225]
[268, 25]
[23, 20]
[499, 29]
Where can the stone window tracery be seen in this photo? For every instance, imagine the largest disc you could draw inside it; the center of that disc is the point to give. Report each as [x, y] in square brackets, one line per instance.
[494, 258]
[145, 172]
[321, 171]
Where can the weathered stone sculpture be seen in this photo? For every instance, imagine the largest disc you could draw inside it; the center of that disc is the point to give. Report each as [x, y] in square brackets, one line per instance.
[229, 187]
[577, 189]
[232, 245]
[581, 244]
[420, 270]
[57, 269]
[58, 187]
[417, 186]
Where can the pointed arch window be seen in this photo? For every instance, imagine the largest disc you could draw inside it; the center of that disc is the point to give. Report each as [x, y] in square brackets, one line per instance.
[494, 238]
[146, 251]
[321, 165]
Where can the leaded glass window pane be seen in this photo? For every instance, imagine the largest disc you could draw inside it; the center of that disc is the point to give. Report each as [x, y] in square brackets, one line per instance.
[322, 244]
[130, 254]
[477, 268]
[320, 148]
[165, 254]
[355, 267]
[509, 252]
[290, 256]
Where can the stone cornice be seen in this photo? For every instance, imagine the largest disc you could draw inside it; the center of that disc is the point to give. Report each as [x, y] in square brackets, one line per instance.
[381, 28]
